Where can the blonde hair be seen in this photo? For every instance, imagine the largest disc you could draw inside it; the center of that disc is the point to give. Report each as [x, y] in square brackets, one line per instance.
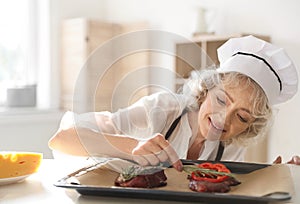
[200, 82]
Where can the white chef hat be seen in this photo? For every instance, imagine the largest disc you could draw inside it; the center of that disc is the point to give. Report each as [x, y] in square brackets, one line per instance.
[265, 63]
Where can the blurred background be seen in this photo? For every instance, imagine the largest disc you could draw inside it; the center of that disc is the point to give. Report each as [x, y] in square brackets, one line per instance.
[45, 43]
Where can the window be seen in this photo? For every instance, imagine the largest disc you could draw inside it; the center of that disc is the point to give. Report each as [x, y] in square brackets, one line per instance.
[23, 32]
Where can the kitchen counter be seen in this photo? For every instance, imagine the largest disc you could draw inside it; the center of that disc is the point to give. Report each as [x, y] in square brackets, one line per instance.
[39, 188]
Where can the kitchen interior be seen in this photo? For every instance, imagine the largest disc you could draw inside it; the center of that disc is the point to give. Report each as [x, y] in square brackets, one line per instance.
[69, 40]
[191, 20]
[70, 32]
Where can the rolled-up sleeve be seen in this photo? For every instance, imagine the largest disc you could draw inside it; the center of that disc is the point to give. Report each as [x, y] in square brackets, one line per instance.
[149, 115]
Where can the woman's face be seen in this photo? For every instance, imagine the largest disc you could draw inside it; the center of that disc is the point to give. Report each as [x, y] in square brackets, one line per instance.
[225, 112]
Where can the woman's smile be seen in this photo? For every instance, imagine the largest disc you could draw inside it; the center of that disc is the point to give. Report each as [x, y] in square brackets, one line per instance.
[216, 126]
[215, 130]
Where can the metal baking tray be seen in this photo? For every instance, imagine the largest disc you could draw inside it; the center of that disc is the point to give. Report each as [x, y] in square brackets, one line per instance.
[185, 196]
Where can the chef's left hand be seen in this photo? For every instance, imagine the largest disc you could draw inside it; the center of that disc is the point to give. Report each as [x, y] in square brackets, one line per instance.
[295, 160]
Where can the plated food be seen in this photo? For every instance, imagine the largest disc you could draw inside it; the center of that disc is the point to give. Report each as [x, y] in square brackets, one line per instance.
[204, 177]
[209, 177]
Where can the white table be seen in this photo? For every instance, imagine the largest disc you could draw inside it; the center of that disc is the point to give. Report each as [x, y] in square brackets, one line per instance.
[39, 188]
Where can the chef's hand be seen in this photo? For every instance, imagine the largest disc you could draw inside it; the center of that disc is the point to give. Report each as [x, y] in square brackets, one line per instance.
[295, 160]
[156, 150]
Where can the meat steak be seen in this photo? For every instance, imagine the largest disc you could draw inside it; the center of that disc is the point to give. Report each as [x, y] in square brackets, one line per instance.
[140, 177]
[206, 186]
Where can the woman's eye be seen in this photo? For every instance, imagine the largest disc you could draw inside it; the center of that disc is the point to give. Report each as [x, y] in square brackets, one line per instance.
[221, 101]
[242, 119]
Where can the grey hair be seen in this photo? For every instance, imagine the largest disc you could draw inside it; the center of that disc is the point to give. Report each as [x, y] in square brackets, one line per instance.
[200, 82]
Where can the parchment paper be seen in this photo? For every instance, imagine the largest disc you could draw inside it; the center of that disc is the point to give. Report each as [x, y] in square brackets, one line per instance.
[272, 179]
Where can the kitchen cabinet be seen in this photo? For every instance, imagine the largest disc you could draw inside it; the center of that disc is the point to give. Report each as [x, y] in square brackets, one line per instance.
[86, 85]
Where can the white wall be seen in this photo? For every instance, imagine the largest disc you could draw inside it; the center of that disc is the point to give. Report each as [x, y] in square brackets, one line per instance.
[29, 131]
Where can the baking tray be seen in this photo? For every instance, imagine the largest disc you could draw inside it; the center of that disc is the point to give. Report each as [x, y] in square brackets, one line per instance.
[71, 182]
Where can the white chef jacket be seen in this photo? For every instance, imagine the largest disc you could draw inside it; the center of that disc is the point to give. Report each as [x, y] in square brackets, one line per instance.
[155, 114]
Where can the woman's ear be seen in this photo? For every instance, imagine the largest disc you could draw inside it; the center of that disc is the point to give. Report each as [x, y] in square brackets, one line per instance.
[201, 97]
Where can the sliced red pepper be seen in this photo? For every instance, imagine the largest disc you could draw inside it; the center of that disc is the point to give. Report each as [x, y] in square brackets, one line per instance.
[200, 176]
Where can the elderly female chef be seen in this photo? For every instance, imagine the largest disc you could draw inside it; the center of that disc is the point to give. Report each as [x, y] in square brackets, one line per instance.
[214, 117]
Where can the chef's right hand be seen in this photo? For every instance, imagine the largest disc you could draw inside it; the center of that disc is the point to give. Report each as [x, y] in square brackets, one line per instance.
[154, 151]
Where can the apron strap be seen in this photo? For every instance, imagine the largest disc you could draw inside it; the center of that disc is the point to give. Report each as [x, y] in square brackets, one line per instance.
[220, 151]
[174, 124]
